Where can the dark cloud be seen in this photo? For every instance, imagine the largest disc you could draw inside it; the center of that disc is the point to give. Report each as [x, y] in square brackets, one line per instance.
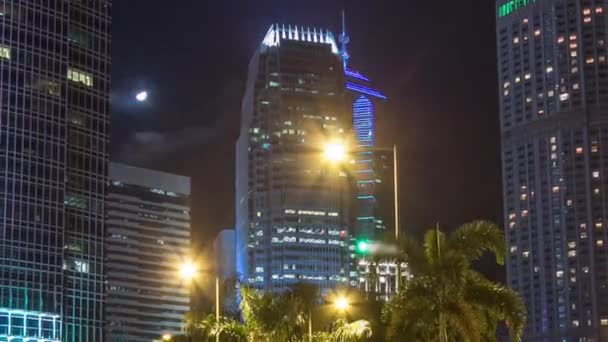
[149, 145]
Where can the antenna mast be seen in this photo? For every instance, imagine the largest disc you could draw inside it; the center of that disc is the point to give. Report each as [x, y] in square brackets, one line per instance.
[344, 40]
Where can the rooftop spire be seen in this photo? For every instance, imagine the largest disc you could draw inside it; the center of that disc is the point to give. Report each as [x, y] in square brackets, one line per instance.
[344, 40]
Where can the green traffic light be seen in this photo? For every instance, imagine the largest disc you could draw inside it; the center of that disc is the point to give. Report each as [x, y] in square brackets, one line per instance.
[362, 246]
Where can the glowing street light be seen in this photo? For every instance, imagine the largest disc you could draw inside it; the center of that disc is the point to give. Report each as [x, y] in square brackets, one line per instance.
[187, 270]
[335, 152]
[167, 337]
[341, 303]
[141, 96]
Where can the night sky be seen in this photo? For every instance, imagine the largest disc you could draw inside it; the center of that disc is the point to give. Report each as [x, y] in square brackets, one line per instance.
[435, 60]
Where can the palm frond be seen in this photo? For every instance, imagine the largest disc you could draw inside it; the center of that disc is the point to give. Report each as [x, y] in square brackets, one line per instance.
[353, 331]
[502, 302]
[412, 252]
[475, 238]
[434, 243]
[462, 320]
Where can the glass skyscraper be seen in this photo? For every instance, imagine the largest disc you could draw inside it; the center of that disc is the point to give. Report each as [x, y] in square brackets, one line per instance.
[54, 85]
[293, 208]
[553, 88]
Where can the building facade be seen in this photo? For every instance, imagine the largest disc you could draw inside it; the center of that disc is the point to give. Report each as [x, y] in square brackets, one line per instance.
[371, 164]
[224, 254]
[373, 171]
[54, 117]
[148, 238]
[553, 91]
[293, 207]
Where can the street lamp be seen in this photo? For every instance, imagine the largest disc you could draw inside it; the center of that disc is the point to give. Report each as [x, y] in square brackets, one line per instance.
[337, 152]
[341, 303]
[167, 337]
[188, 272]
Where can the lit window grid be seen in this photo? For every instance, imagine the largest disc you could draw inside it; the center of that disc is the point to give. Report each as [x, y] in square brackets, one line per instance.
[260, 250]
[510, 106]
[512, 203]
[38, 234]
[54, 68]
[29, 325]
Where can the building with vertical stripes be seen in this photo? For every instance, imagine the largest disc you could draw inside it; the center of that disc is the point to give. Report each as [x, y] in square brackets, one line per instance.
[54, 118]
[148, 238]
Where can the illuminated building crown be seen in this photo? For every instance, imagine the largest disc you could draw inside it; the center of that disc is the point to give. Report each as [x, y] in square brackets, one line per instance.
[277, 33]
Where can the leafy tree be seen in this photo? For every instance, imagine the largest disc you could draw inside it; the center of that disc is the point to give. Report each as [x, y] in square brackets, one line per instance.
[351, 332]
[447, 300]
[273, 317]
[342, 331]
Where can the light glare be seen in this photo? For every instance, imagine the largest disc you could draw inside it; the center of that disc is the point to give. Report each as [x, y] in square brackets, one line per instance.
[335, 152]
[142, 96]
[342, 303]
[187, 271]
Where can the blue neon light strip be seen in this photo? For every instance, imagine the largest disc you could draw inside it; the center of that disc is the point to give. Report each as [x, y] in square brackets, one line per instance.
[355, 74]
[366, 218]
[363, 120]
[366, 197]
[364, 90]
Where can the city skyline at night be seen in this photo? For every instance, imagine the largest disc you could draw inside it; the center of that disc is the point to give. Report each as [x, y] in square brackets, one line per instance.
[315, 152]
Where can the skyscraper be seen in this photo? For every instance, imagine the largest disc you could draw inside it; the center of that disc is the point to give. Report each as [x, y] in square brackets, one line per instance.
[373, 171]
[293, 209]
[371, 164]
[148, 238]
[54, 62]
[553, 89]
[225, 267]
[224, 255]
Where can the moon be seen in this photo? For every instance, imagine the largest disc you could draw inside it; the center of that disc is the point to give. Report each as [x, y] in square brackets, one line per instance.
[142, 96]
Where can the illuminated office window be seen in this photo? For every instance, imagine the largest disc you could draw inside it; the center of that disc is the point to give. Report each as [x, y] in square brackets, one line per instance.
[5, 52]
[79, 76]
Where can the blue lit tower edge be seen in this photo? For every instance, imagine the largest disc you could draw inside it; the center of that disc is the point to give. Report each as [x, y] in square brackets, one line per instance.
[372, 169]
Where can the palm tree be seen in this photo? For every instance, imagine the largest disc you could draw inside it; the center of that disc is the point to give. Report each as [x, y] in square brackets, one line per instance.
[447, 300]
[273, 317]
[351, 332]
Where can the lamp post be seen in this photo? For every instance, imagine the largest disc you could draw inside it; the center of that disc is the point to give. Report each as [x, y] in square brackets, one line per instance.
[188, 272]
[337, 152]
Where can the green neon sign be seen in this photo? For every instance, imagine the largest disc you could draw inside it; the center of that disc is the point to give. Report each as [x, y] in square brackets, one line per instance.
[512, 6]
